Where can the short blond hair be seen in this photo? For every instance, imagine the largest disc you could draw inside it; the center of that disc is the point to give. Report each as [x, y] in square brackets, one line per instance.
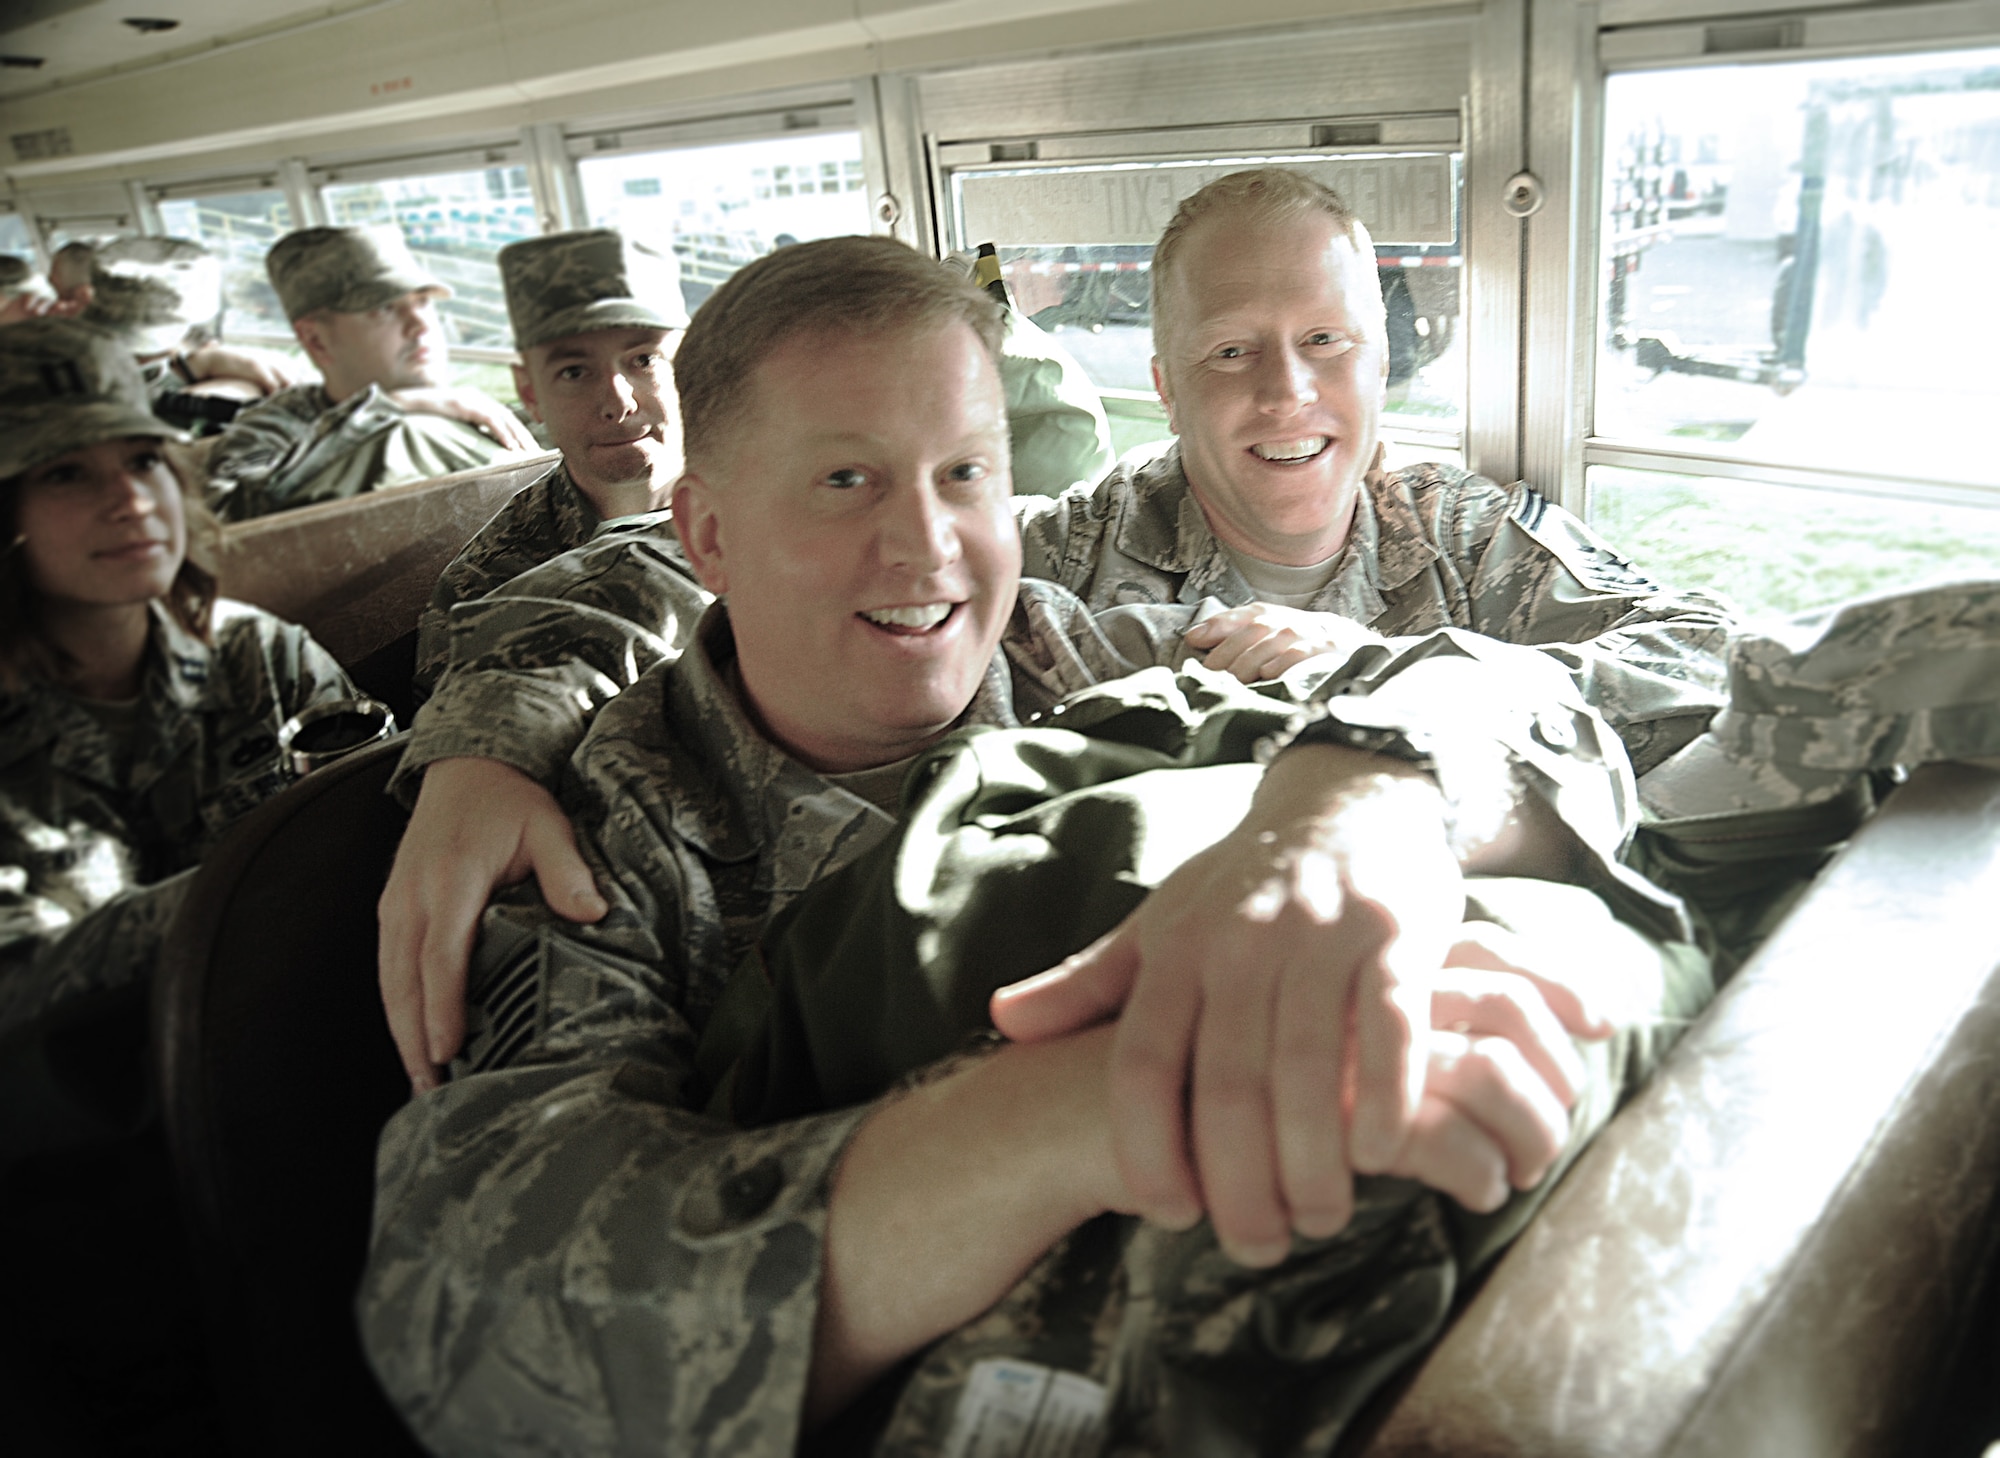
[852, 285]
[1254, 195]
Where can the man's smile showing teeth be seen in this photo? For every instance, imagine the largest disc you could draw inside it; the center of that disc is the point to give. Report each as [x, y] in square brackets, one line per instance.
[910, 619]
[1291, 450]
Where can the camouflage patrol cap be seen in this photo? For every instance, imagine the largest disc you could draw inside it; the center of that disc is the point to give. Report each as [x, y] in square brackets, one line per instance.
[151, 291]
[573, 283]
[348, 270]
[63, 385]
[15, 273]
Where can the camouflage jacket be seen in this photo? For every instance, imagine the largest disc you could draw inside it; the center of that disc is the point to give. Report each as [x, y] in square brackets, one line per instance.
[1431, 546]
[568, 1255]
[299, 447]
[548, 518]
[91, 832]
[1434, 548]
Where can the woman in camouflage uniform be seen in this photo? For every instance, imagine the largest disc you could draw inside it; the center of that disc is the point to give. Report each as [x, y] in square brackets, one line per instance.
[139, 715]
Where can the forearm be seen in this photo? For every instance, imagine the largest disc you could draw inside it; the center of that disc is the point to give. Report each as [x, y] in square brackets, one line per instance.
[945, 1197]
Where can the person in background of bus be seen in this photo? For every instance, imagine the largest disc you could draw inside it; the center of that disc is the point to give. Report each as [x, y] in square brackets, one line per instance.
[366, 314]
[69, 270]
[596, 317]
[847, 501]
[163, 298]
[139, 715]
[24, 294]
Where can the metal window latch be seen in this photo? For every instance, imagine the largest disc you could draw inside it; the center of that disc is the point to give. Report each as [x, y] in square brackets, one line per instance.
[1523, 195]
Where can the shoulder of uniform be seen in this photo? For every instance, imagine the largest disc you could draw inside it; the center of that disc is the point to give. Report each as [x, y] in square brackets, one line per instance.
[1589, 558]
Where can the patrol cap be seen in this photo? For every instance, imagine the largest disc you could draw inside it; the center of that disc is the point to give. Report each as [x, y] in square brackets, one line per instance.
[595, 278]
[151, 291]
[348, 270]
[15, 273]
[65, 384]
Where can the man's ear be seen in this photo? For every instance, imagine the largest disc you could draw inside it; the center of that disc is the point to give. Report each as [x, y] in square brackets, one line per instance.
[1166, 395]
[524, 386]
[700, 528]
[307, 330]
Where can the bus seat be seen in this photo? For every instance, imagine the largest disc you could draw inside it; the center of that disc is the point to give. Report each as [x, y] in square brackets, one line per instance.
[1781, 1245]
[356, 573]
[277, 1075]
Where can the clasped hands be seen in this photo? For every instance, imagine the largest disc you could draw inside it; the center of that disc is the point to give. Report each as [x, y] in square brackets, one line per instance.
[1303, 1002]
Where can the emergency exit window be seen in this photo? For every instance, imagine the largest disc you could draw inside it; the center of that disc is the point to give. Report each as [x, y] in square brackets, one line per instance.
[1796, 264]
[239, 228]
[720, 207]
[456, 223]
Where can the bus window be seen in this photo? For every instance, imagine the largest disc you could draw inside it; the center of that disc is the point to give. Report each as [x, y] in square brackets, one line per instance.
[1793, 274]
[719, 207]
[15, 237]
[455, 222]
[1076, 245]
[239, 228]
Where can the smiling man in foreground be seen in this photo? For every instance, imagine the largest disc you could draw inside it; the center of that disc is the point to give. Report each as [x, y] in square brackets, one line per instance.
[573, 1254]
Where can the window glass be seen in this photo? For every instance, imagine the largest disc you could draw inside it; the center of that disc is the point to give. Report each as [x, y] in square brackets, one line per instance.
[239, 228]
[15, 237]
[455, 222]
[1796, 263]
[1052, 227]
[720, 207]
[1782, 549]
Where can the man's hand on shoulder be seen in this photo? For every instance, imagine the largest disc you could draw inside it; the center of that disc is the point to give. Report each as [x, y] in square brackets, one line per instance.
[475, 407]
[1276, 978]
[478, 824]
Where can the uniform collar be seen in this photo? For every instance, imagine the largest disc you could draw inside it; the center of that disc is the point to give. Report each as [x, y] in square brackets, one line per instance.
[748, 795]
[1167, 529]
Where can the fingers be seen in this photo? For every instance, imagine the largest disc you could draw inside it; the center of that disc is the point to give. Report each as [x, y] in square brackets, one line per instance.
[449, 929]
[1148, 1083]
[1077, 992]
[1306, 1101]
[549, 843]
[1564, 986]
[1506, 1005]
[1391, 1019]
[1490, 1085]
[398, 941]
[1231, 1122]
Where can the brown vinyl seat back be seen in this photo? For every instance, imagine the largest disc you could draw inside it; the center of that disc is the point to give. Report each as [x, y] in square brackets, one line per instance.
[356, 573]
[278, 1073]
[1779, 1247]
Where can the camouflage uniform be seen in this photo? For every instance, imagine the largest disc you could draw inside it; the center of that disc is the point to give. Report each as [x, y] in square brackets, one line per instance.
[94, 832]
[1434, 548]
[544, 520]
[568, 1256]
[1431, 546]
[301, 446]
[557, 286]
[1820, 709]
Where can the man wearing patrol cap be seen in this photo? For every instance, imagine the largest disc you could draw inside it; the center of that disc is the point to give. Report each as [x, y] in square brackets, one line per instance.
[163, 298]
[596, 318]
[366, 313]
